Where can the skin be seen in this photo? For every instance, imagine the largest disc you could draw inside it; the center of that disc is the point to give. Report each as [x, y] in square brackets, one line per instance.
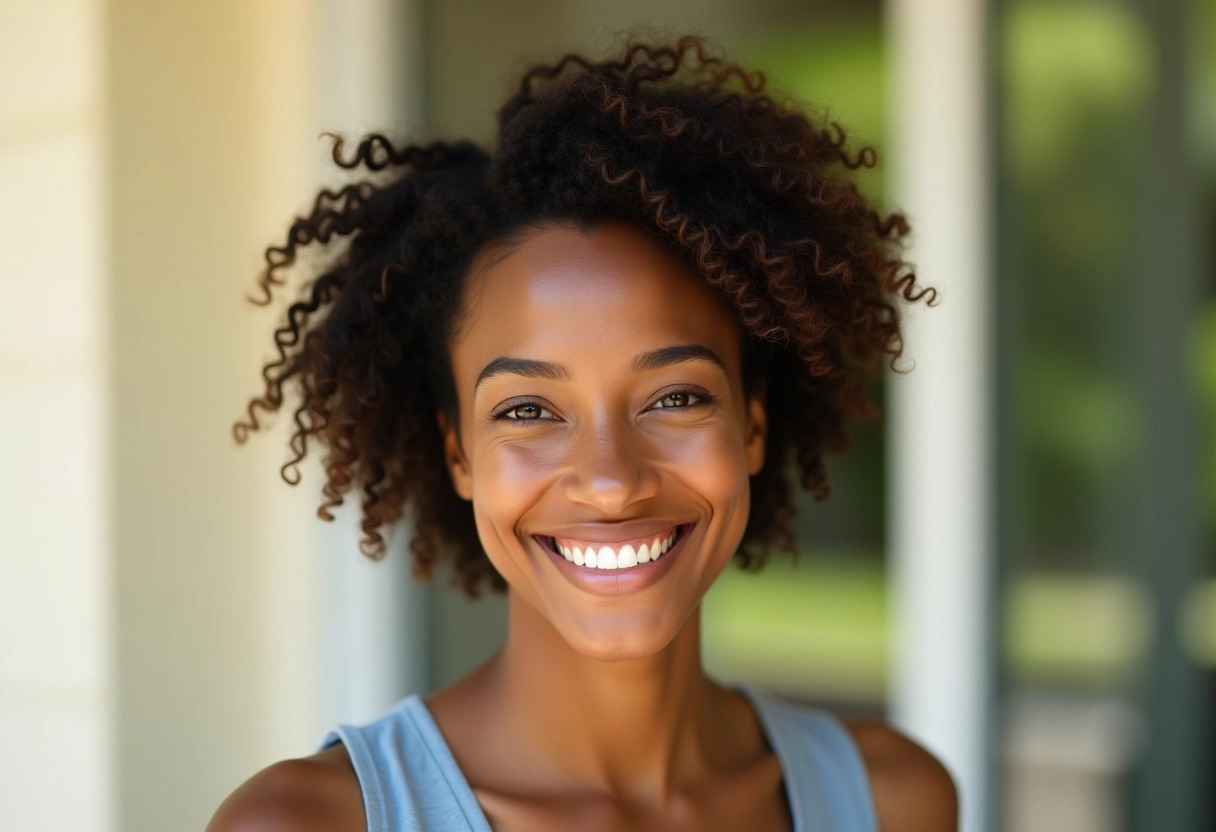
[631, 418]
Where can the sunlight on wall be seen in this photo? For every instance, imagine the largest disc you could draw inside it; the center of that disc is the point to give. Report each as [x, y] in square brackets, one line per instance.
[54, 552]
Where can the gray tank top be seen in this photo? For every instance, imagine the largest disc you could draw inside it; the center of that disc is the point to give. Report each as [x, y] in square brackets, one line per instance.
[411, 782]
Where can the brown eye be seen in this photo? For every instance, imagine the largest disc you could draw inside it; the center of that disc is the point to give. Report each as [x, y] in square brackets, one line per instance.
[677, 399]
[526, 413]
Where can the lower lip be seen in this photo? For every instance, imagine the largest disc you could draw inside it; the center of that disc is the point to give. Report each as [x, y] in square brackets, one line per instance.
[620, 581]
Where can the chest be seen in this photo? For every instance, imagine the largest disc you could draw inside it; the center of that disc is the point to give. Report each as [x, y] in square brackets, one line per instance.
[749, 801]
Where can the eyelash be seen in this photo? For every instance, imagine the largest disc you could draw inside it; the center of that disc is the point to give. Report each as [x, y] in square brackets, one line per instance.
[697, 398]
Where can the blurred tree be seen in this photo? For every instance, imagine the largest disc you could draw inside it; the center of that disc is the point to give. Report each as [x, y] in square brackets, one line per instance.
[1076, 81]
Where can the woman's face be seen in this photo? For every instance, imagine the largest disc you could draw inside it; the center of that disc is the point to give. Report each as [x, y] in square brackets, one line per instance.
[602, 409]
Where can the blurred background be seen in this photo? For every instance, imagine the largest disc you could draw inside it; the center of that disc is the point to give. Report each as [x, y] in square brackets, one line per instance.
[1018, 565]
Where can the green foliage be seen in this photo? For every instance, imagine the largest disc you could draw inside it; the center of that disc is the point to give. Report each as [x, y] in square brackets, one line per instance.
[1076, 80]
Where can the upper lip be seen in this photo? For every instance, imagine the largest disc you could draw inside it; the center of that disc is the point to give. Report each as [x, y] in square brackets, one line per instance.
[609, 533]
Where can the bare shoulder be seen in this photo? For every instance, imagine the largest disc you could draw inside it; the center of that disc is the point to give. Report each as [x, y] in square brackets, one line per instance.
[310, 794]
[913, 792]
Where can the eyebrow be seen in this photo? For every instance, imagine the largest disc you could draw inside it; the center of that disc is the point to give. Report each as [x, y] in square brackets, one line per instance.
[667, 356]
[653, 360]
[526, 367]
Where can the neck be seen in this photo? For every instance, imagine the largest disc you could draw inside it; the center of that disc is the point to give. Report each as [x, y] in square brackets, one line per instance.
[641, 725]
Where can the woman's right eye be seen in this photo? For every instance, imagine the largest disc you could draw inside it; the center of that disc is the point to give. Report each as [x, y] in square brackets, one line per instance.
[526, 413]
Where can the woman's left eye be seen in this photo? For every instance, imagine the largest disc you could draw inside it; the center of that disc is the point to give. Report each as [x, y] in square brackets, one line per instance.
[680, 398]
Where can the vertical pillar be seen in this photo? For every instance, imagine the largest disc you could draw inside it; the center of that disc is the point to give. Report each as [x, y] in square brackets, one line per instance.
[941, 477]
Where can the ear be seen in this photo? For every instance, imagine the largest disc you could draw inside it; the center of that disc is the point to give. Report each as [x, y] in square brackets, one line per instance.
[453, 457]
[756, 429]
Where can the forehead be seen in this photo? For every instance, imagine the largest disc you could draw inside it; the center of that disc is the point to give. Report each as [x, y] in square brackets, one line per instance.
[614, 285]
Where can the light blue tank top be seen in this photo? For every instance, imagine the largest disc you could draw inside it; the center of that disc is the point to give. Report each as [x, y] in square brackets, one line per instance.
[411, 782]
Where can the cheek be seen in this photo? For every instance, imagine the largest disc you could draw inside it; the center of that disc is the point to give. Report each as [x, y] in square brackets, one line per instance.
[713, 467]
[509, 480]
[714, 461]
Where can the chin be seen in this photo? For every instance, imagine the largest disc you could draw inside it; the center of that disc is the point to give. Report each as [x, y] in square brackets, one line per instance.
[620, 641]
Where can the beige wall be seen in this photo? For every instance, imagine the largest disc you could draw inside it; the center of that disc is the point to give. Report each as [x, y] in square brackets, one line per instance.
[163, 630]
[54, 566]
[205, 160]
[174, 617]
[244, 626]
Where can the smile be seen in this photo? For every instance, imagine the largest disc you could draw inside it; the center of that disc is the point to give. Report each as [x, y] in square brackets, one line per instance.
[625, 554]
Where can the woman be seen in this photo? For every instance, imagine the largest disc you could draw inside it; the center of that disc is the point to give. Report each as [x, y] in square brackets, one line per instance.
[585, 362]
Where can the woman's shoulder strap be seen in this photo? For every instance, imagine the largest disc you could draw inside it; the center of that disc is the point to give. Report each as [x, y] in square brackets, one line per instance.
[825, 776]
[409, 779]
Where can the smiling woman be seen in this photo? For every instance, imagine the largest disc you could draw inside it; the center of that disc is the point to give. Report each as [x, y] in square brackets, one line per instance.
[584, 361]
[614, 420]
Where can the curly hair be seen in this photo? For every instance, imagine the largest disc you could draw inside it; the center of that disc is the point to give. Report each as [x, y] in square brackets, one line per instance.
[752, 193]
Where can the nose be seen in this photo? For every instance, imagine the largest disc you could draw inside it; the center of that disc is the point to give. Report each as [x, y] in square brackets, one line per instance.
[610, 470]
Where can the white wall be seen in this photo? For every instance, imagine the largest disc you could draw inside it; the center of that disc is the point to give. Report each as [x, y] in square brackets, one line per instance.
[54, 554]
[206, 159]
[173, 617]
[244, 625]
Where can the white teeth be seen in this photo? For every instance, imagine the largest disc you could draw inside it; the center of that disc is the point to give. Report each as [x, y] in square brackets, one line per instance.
[626, 557]
[608, 557]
